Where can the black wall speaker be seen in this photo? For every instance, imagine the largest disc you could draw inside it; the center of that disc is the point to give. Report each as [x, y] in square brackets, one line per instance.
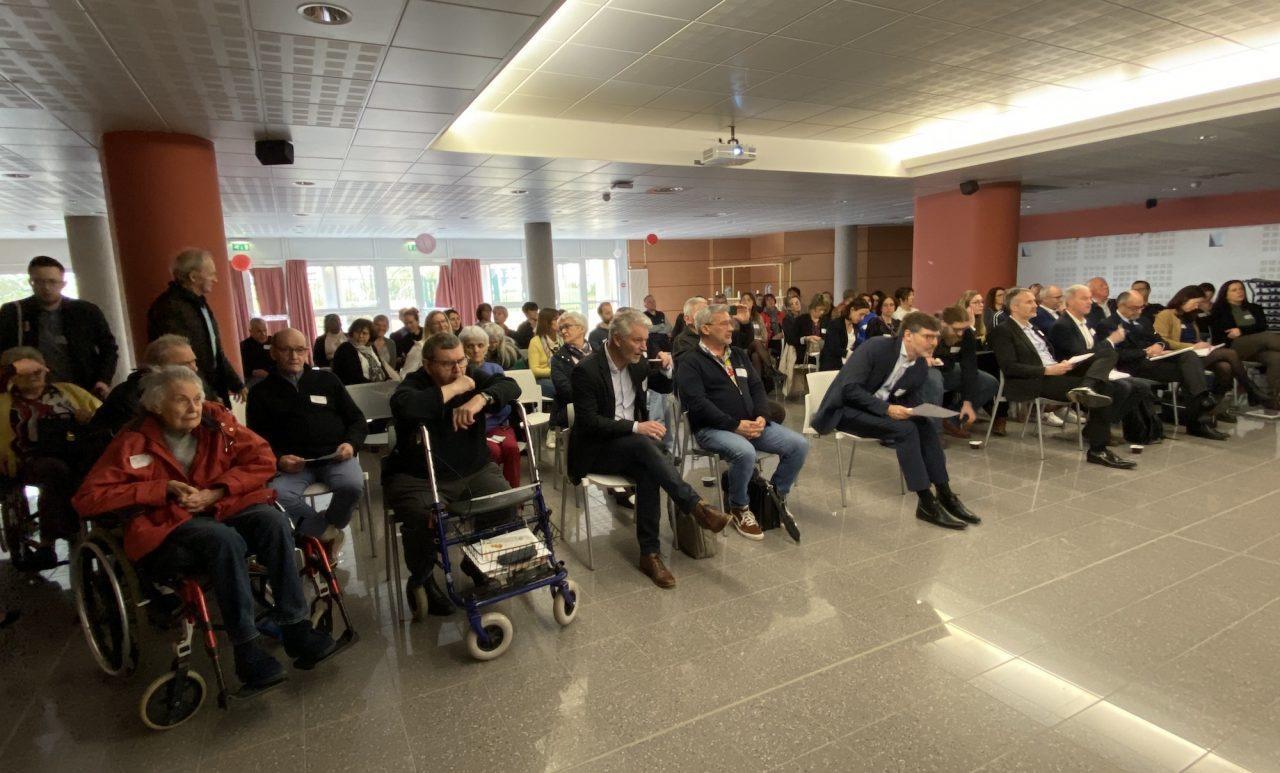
[1151, 203]
[969, 187]
[273, 152]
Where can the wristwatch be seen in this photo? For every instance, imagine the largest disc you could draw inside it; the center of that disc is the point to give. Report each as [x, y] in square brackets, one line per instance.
[488, 399]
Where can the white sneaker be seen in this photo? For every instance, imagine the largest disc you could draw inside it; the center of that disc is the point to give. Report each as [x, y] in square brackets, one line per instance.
[1053, 420]
[333, 538]
[1069, 416]
[551, 440]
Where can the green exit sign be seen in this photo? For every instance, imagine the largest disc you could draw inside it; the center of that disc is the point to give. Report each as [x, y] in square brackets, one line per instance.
[410, 247]
[241, 246]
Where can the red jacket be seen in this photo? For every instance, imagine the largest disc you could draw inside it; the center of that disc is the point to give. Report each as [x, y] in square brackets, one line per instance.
[133, 473]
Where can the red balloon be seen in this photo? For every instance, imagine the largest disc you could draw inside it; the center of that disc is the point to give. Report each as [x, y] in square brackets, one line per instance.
[652, 239]
[241, 262]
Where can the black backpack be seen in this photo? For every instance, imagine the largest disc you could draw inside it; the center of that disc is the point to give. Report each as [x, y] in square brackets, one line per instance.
[1142, 425]
[766, 505]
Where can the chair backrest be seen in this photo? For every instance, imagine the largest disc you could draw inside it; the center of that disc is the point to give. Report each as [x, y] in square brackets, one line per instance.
[819, 383]
[373, 400]
[530, 392]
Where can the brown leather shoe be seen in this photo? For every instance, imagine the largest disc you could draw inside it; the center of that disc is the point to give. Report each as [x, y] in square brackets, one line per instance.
[651, 564]
[709, 518]
[998, 426]
[955, 430]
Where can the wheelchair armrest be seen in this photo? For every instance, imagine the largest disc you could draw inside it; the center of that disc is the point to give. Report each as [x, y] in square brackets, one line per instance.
[114, 519]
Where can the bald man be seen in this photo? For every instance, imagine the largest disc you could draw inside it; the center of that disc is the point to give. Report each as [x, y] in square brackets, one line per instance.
[1103, 306]
[315, 430]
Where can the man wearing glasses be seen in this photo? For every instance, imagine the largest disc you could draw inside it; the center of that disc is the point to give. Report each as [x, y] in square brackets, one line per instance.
[451, 401]
[874, 396]
[73, 335]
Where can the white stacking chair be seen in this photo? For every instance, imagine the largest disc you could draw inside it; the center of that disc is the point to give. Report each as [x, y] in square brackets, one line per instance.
[819, 383]
[374, 401]
[1038, 405]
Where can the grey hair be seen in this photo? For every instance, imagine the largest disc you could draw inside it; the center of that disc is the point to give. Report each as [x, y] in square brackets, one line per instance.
[1044, 292]
[1075, 290]
[436, 342]
[493, 330]
[155, 385]
[187, 261]
[691, 305]
[16, 353]
[706, 313]
[574, 317]
[156, 351]
[473, 334]
[1124, 296]
[1013, 292]
[623, 321]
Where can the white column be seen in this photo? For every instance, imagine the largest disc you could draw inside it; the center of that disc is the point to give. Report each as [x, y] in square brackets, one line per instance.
[93, 259]
[540, 264]
[846, 256]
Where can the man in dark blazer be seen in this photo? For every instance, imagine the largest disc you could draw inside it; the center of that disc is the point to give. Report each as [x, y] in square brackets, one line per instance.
[182, 310]
[1140, 344]
[613, 435]
[873, 396]
[1049, 308]
[1032, 369]
[1101, 305]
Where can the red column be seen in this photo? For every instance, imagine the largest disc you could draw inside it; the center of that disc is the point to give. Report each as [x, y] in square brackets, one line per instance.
[964, 243]
[162, 196]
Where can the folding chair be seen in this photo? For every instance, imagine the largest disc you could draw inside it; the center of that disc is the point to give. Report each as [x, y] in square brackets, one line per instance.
[819, 383]
[374, 401]
[531, 394]
[1038, 405]
[364, 507]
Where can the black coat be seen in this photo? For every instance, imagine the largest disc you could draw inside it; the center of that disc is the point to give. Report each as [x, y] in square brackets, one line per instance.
[1018, 359]
[178, 310]
[881, 327]
[593, 408]
[309, 420]
[715, 401]
[346, 364]
[91, 347]
[834, 346]
[1221, 320]
[1067, 341]
[255, 356]
[963, 354]
[562, 364]
[404, 341]
[523, 335]
[1138, 335]
[862, 375]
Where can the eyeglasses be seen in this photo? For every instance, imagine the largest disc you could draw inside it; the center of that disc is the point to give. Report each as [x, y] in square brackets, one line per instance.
[296, 351]
[462, 363]
[46, 282]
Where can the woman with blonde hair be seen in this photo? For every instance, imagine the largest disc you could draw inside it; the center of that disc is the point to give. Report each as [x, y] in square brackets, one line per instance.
[973, 302]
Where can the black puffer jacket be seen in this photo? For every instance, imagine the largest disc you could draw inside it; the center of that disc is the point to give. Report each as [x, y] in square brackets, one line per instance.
[178, 310]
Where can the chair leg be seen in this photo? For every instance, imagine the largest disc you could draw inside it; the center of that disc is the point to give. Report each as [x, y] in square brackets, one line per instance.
[366, 520]
[564, 494]
[1173, 397]
[1039, 406]
[844, 502]
[586, 515]
[995, 411]
[713, 467]
[393, 555]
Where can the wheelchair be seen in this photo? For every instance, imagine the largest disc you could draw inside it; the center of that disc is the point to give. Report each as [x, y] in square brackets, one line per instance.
[17, 523]
[114, 599]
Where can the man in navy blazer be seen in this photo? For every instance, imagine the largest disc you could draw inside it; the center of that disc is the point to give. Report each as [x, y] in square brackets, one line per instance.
[873, 396]
[1048, 308]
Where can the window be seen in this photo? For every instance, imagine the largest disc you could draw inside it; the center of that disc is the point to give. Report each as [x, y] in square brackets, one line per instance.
[15, 287]
[569, 286]
[504, 284]
[355, 287]
[323, 287]
[582, 285]
[400, 289]
[602, 282]
[430, 276]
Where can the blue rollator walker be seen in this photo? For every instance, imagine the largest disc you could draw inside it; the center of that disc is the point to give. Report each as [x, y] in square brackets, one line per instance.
[514, 553]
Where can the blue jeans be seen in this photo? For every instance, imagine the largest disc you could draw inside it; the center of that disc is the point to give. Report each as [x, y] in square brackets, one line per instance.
[345, 479]
[740, 454]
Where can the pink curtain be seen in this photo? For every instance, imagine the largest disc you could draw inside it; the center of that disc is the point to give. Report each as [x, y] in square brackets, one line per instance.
[298, 299]
[240, 302]
[268, 286]
[460, 288]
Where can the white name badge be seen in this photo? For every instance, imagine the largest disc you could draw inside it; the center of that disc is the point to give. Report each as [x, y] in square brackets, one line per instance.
[899, 392]
[742, 372]
[955, 350]
[138, 461]
[319, 399]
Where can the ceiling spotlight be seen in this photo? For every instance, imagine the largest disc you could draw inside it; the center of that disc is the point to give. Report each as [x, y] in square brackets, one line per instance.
[1207, 137]
[1195, 184]
[302, 214]
[324, 13]
[518, 192]
[17, 175]
[303, 183]
[666, 189]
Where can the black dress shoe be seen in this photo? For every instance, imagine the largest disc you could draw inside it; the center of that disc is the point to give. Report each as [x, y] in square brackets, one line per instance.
[1108, 459]
[1201, 429]
[1088, 398]
[956, 509]
[936, 515]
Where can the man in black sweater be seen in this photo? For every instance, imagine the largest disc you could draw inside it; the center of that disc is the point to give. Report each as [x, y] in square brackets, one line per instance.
[315, 430]
[407, 336]
[727, 406]
[451, 402]
[255, 352]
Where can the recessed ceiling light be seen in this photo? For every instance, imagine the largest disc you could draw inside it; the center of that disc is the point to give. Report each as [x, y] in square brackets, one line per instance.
[303, 183]
[17, 175]
[324, 13]
[302, 214]
[717, 198]
[666, 189]
[1207, 137]
[519, 192]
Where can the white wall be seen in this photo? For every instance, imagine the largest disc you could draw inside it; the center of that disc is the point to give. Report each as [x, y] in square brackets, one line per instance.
[1168, 260]
[15, 253]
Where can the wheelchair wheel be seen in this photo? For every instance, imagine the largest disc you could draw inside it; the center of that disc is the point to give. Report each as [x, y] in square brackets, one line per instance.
[564, 609]
[170, 701]
[102, 607]
[15, 520]
[500, 632]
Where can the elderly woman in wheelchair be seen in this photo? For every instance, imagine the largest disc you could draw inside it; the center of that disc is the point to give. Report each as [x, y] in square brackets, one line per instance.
[197, 481]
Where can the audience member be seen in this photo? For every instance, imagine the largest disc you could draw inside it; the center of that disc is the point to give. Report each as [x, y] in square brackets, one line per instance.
[573, 349]
[42, 418]
[524, 333]
[200, 479]
[728, 409]
[844, 335]
[72, 334]
[659, 333]
[327, 343]
[1035, 288]
[904, 298]
[958, 383]
[1103, 306]
[1242, 325]
[315, 430]
[612, 434]
[794, 292]
[255, 352]
[1143, 287]
[1049, 310]
[994, 308]
[811, 329]
[436, 322]
[355, 361]
[600, 333]
[382, 345]
[882, 323]
[544, 344]
[502, 349]
[499, 435]
[500, 319]
[1177, 325]
[973, 304]
[687, 340]
[1140, 344]
[873, 396]
[407, 336]
[752, 336]
[1032, 370]
[453, 405]
[484, 314]
[124, 403]
[455, 320]
[182, 310]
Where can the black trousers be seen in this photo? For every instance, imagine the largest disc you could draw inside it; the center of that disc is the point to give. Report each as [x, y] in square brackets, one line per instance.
[916, 442]
[1094, 373]
[1186, 369]
[643, 460]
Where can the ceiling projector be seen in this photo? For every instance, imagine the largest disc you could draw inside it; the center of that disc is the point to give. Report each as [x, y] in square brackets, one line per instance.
[731, 153]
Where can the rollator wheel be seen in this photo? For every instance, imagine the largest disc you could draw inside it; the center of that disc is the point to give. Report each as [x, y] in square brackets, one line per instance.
[500, 632]
[168, 701]
[564, 609]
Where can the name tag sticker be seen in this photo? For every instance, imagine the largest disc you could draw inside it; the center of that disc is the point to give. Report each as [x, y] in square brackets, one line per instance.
[955, 350]
[319, 399]
[138, 461]
[742, 372]
[899, 392]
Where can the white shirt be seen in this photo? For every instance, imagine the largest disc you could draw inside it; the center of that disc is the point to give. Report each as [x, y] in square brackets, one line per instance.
[1083, 327]
[904, 361]
[1041, 347]
[624, 392]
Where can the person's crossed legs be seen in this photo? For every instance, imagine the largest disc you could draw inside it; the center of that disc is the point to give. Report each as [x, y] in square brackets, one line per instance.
[345, 479]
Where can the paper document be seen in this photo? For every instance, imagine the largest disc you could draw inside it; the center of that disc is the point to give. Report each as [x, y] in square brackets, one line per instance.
[931, 411]
[325, 458]
[484, 554]
[1080, 358]
[1205, 352]
[1116, 375]
[1168, 354]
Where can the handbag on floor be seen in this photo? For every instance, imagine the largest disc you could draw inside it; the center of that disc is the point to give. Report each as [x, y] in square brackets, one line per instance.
[694, 541]
[1142, 425]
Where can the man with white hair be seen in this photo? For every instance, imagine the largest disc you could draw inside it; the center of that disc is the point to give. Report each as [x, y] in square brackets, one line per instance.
[613, 434]
[1049, 308]
[687, 339]
[123, 404]
[199, 480]
[183, 310]
[1100, 294]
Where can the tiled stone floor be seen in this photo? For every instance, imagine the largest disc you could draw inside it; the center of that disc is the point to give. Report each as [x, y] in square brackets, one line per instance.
[1098, 620]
